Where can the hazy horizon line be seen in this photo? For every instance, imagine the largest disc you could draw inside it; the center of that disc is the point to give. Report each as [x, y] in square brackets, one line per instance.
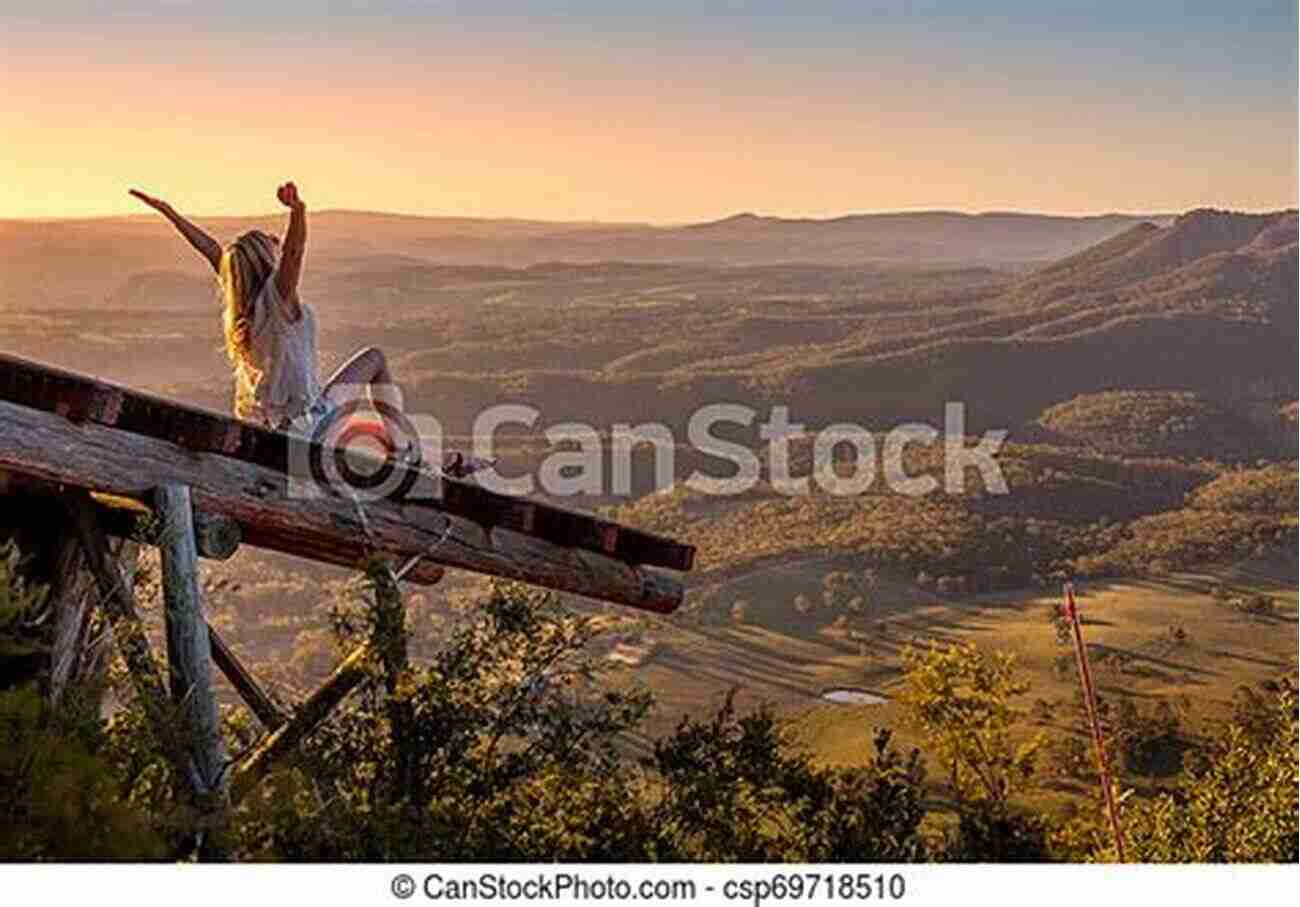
[788, 218]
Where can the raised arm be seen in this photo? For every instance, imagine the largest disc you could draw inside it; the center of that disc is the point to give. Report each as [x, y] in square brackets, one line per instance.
[291, 253]
[204, 244]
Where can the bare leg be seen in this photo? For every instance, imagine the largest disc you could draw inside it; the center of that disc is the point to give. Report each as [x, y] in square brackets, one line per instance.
[368, 368]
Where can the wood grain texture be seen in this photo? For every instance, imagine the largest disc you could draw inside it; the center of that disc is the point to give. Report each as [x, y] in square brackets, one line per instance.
[334, 529]
[128, 630]
[86, 400]
[189, 651]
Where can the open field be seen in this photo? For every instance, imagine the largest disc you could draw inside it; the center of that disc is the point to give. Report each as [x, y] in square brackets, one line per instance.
[1222, 651]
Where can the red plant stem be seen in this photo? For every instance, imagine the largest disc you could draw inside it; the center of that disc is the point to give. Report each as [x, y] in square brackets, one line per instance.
[1090, 705]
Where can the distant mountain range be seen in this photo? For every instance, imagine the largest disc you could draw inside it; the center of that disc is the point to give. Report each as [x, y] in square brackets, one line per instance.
[112, 249]
[1205, 253]
[1206, 303]
[933, 237]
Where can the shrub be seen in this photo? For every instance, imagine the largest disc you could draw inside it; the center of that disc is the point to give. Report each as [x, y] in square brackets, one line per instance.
[61, 799]
[1237, 804]
[992, 833]
[960, 697]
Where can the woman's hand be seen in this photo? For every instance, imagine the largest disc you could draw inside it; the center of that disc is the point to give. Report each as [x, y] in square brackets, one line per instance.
[204, 244]
[288, 196]
[156, 203]
[291, 251]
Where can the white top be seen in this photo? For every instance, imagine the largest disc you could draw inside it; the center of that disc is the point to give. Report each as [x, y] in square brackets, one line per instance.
[285, 353]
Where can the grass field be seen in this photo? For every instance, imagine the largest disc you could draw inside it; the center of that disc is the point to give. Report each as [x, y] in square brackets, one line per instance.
[1222, 650]
[1130, 627]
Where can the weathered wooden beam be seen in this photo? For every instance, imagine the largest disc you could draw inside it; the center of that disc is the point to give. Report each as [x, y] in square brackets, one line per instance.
[350, 554]
[50, 447]
[315, 709]
[121, 515]
[217, 537]
[83, 399]
[37, 520]
[189, 652]
[128, 630]
[73, 603]
[244, 682]
[72, 593]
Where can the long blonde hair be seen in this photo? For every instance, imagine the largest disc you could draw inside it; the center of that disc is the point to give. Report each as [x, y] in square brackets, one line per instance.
[246, 265]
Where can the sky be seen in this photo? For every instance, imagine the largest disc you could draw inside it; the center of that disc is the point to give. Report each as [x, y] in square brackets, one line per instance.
[667, 111]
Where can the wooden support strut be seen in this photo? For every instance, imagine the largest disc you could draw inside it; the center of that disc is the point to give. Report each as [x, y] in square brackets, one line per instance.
[314, 710]
[73, 592]
[189, 653]
[128, 631]
[134, 645]
[244, 683]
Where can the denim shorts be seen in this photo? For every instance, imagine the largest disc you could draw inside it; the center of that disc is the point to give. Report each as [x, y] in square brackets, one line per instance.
[304, 424]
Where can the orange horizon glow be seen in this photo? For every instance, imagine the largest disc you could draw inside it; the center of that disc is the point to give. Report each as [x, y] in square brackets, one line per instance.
[584, 133]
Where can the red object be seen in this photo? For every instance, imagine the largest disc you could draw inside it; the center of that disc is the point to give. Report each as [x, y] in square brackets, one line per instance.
[355, 426]
[1090, 705]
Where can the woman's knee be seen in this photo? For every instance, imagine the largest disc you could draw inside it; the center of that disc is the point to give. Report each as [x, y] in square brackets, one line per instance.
[372, 356]
[367, 364]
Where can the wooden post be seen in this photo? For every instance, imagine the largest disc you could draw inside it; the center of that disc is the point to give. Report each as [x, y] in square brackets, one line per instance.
[38, 524]
[76, 661]
[70, 592]
[1090, 706]
[189, 652]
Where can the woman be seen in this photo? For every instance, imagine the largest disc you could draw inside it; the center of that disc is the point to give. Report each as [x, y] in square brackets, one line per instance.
[270, 334]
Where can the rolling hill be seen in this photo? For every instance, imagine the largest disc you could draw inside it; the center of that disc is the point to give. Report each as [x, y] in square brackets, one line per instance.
[99, 253]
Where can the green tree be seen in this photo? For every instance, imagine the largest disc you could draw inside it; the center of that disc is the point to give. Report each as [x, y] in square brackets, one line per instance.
[1238, 805]
[501, 747]
[23, 653]
[60, 798]
[512, 752]
[733, 789]
[960, 697]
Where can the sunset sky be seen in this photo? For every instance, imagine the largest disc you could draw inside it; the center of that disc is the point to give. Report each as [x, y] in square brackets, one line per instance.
[662, 111]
